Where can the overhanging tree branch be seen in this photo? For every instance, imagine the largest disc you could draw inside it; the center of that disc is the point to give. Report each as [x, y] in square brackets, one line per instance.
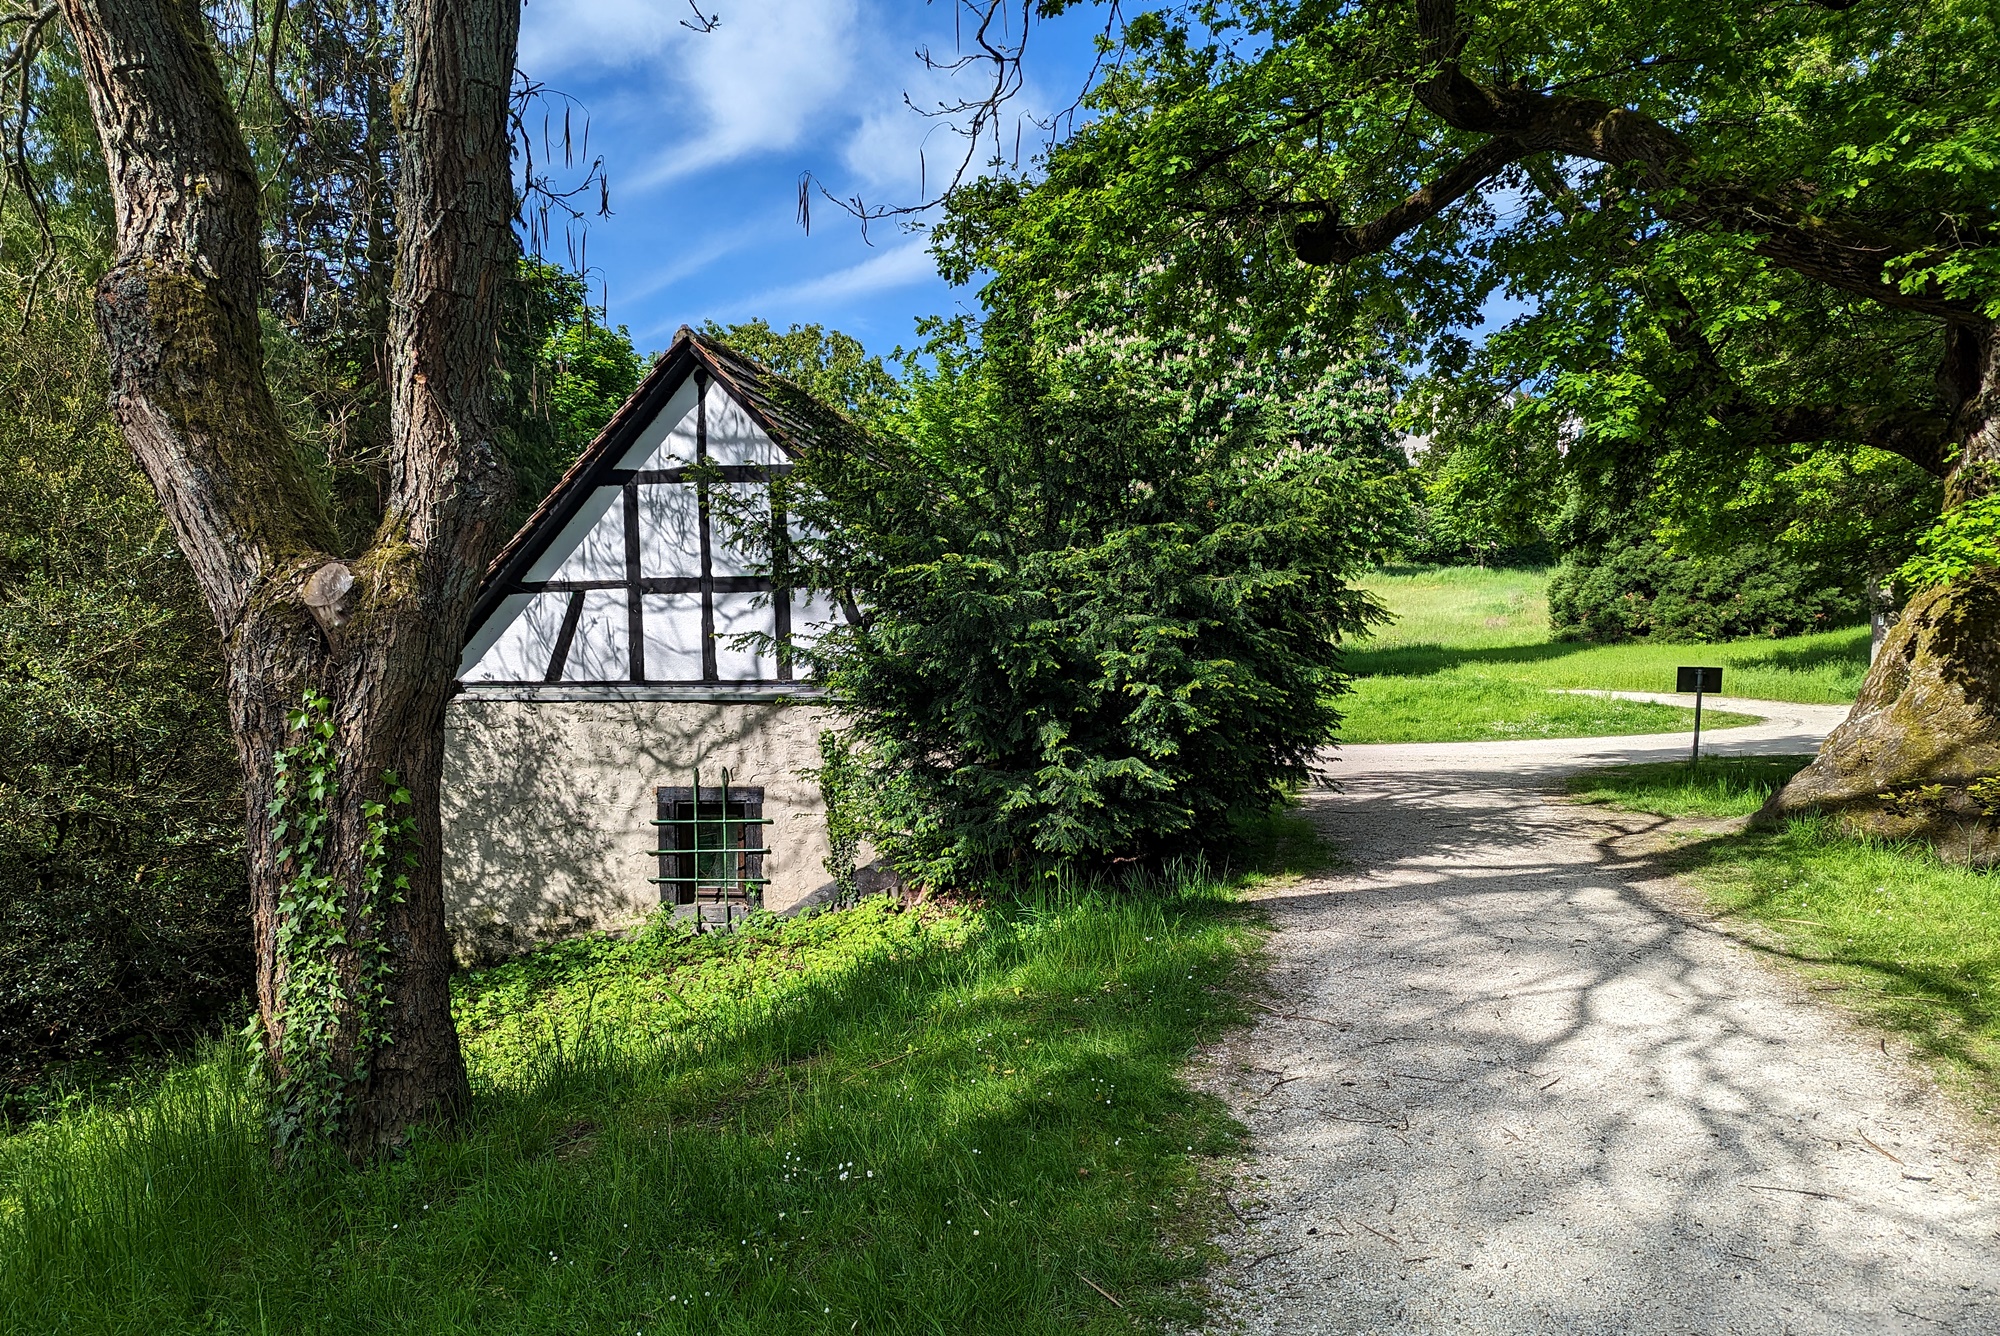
[1324, 241]
[1921, 436]
[1844, 255]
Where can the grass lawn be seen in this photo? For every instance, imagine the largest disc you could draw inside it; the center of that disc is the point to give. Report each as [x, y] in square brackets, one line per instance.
[1487, 707]
[947, 1119]
[1907, 941]
[1468, 607]
[1469, 658]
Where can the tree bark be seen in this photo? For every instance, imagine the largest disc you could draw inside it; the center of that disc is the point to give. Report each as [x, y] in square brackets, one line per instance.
[1919, 756]
[378, 634]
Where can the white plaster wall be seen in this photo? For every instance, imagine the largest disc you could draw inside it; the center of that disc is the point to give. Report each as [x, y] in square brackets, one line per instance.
[548, 807]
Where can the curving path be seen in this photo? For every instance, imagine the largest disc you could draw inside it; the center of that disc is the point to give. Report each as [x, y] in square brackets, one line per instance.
[1519, 1084]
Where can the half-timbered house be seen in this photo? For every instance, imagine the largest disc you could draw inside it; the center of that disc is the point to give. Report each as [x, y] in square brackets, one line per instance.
[632, 727]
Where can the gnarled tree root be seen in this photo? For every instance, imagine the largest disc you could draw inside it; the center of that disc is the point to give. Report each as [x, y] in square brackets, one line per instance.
[1919, 758]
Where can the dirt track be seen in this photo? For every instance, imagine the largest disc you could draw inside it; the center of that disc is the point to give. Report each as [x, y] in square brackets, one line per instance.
[1528, 1089]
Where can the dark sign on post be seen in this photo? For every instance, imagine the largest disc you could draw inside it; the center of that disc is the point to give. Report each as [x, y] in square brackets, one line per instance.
[1697, 680]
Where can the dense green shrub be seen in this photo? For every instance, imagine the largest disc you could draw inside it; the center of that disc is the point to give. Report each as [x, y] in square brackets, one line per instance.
[124, 920]
[1643, 590]
[1102, 586]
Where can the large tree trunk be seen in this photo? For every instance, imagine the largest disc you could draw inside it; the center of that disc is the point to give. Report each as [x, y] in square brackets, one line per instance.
[379, 634]
[1919, 756]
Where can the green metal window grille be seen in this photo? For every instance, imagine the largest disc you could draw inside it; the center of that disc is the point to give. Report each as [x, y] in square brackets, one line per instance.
[712, 848]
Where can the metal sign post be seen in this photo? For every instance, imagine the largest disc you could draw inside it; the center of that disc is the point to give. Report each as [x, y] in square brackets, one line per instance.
[1697, 680]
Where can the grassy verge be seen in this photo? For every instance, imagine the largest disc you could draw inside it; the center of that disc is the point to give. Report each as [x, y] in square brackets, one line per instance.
[947, 1119]
[1907, 941]
[1486, 707]
[1721, 786]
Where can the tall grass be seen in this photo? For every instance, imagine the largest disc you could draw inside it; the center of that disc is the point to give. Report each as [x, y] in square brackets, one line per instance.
[1721, 786]
[949, 1119]
[1464, 606]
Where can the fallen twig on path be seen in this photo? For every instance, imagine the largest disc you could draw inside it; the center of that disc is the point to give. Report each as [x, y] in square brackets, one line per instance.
[1282, 1252]
[1378, 1233]
[1871, 1141]
[1803, 1192]
[1360, 1122]
[1914, 1313]
[1401, 1120]
[1283, 1080]
[1294, 1015]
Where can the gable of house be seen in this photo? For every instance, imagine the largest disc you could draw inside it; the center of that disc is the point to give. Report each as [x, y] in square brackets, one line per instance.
[627, 573]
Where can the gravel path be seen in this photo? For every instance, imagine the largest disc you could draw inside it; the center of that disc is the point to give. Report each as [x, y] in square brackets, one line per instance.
[1525, 1087]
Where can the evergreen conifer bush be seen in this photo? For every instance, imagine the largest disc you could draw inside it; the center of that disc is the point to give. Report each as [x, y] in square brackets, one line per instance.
[1643, 590]
[1102, 583]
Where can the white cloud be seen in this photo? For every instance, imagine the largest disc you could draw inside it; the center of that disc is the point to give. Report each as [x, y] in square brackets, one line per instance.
[771, 72]
[692, 259]
[563, 36]
[907, 264]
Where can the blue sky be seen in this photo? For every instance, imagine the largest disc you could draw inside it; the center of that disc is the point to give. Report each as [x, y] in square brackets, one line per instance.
[704, 137]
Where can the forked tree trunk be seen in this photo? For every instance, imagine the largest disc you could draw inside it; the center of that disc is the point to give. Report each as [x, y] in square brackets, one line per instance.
[377, 634]
[1919, 756]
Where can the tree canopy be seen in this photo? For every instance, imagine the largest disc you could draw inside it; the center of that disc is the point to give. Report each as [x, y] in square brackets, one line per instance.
[1755, 227]
[1753, 243]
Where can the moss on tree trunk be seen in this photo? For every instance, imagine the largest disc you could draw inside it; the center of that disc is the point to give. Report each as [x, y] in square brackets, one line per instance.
[1919, 756]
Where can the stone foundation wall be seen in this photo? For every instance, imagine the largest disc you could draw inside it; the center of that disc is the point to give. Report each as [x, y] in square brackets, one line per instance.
[548, 805]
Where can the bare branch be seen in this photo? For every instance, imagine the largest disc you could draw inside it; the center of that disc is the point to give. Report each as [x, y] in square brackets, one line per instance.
[541, 196]
[1002, 51]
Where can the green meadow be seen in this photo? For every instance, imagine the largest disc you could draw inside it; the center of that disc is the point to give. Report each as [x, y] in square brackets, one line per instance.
[1467, 657]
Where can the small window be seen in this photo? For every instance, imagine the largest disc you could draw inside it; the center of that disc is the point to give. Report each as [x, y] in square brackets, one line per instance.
[712, 852]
